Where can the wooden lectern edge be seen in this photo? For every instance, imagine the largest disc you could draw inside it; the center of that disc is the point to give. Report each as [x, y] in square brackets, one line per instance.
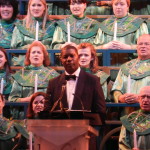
[89, 128]
[92, 130]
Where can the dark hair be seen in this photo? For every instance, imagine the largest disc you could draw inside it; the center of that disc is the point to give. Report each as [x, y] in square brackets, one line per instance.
[14, 4]
[80, 1]
[30, 113]
[128, 2]
[6, 65]
[69, 46]
[94, 62]
[46, 61]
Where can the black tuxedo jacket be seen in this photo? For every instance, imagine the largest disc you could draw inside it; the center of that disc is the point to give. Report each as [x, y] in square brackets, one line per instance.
[88, 90]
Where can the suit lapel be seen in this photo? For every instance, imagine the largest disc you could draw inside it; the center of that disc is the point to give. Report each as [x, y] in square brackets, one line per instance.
[78, 92]
[64, 98]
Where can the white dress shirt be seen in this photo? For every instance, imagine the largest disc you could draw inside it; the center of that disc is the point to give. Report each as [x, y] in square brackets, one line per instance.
[71, 87]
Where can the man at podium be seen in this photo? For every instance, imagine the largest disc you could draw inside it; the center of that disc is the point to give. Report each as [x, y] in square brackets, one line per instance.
[75, 89]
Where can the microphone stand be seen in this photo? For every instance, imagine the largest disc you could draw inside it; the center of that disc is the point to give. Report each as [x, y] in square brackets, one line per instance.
[62, 109]
[93, 118]
[59, 100]
[82, 106]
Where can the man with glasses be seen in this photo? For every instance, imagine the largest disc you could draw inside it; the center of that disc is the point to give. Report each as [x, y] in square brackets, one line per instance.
[137, 124]
[133, 75]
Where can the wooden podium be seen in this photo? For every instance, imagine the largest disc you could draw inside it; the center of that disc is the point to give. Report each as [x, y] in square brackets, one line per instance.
[60, 134]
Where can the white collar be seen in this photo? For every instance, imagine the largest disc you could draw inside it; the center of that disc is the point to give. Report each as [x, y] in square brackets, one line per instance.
[76, 73]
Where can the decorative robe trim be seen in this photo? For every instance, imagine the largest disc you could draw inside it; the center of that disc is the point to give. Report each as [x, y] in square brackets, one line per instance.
[125, 25]
[81, 28]
[50, 27]
[9, 129]
[101, 74]
[26, 77]
[138, 120]
[6, 33]
[138, 69]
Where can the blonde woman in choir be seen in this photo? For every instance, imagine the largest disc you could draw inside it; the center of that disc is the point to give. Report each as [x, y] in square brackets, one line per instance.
[36, 26]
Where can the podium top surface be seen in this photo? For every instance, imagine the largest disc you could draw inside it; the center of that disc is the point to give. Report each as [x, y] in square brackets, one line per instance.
[59, 122]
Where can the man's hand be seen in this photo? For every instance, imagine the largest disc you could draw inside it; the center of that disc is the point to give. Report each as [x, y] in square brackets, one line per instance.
[116, 45]
[128, 98]
[25, 99]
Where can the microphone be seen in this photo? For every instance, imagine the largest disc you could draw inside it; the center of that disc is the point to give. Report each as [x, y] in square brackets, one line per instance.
[60, 98]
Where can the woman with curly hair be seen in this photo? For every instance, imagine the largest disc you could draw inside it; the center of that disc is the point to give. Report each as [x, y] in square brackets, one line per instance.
[88, 61]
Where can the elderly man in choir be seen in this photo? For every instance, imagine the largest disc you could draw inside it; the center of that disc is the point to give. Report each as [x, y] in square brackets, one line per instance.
[133, 75]
[135, 131]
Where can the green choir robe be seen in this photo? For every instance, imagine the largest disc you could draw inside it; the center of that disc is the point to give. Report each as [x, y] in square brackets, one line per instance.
[140, 76]
[12, 134]
[7, 85]
[6, 31]
[81, 30]
[22, 36]
[148, 25]
[23, 85]
[104, 79]
[129, 28]
[140, 122]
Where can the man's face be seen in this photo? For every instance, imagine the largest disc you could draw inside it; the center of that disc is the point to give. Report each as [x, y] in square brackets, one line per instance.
[144, 99]
[70, 60]
[143, 47]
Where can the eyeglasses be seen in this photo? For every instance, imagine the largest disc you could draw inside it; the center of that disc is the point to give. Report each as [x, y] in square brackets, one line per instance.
[146, 44]
[145, 96]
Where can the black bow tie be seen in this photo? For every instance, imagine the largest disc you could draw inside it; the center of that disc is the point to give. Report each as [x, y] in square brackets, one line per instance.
[69, 77]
